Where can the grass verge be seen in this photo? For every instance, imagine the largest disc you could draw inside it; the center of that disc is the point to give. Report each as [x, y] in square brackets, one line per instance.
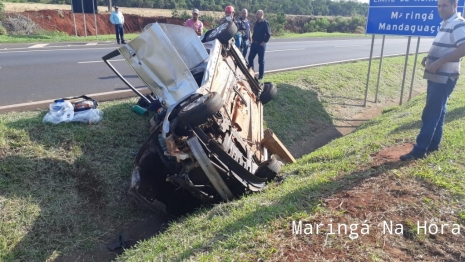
[62, 37]
[259, 227]
[58, 37]
[63, 188]
[319, 35]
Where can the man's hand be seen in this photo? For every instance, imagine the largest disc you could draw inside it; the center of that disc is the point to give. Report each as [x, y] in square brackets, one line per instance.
[262, 43]
[423, 62]
[434, 66]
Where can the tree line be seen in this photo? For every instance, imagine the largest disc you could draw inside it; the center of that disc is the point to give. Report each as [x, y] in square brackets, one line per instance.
[346, 8]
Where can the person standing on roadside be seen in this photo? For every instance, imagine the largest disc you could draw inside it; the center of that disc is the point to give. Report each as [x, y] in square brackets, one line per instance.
[261, 35]
[117, 19]
[246, 33]
[194, 22]
[442, 69]
[229, 16]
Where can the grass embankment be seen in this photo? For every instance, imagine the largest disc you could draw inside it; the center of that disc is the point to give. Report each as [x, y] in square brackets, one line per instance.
[61, 37]
[258, 227]
[51, 37]
[63, 188]
[319, 35]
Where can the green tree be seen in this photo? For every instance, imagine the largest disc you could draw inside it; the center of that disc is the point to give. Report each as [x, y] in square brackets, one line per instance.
[320, 7]
[2, 9]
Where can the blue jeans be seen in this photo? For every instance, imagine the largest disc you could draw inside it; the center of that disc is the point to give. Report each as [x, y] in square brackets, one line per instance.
[245, 47]
[255, 49]
[433, 116]
[238, 38]
[119, 33]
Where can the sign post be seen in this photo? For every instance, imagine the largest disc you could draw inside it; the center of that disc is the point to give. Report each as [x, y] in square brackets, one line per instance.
[405, 18]
[84, 7]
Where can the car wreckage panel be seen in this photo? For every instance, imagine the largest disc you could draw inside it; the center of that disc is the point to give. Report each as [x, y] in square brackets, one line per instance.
[157, 63]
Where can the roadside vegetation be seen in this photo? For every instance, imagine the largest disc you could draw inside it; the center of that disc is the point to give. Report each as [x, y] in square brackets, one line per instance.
[63, 188]
[297, 7]
[50, 37]
[2, 12]
[15, 27]
[20, 29]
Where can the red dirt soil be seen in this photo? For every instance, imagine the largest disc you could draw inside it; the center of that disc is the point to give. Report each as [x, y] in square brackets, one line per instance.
[376, 195]
[62, 20]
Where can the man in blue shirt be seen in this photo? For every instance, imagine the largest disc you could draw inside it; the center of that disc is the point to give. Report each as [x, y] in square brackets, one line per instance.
[117, 19]
[261, 35]
[246, 33]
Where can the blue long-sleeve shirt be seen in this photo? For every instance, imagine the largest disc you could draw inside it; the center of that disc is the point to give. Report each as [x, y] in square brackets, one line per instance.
[117, 18]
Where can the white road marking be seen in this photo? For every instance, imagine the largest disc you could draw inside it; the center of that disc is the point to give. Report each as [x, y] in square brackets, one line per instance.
[38, 46]
[349, 45]
[29, 51]
[89, 62]
[94, 43]
[271, 51]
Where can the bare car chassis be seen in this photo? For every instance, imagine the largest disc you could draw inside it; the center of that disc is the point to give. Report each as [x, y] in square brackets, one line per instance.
[206, 144]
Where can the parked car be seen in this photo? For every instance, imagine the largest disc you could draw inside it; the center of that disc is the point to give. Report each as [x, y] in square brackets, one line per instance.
[208, 142]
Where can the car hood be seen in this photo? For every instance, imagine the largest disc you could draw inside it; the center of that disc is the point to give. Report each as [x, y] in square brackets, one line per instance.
[163, 56]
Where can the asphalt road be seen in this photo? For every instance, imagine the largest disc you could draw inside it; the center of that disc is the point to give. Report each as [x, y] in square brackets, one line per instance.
[35, 72]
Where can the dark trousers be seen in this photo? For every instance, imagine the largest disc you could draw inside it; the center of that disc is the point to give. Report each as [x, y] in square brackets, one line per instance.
[119, 33]
[433, 116]
[255, 49]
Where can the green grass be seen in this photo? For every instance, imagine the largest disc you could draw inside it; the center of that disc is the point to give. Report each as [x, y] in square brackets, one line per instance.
[323, 94]
[63, 188]
[241, 230]
[319, 35]
[59, 37]
[62, 37]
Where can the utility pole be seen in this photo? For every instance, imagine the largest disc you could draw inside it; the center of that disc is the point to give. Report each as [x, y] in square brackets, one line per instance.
[109, 5]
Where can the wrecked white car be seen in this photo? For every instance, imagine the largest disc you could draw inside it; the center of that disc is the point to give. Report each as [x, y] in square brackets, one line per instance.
[208, 143]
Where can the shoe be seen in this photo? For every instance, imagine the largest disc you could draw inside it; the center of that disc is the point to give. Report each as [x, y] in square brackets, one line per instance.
[118, 43]
[411, 156]
[124, 42]
[260, 78]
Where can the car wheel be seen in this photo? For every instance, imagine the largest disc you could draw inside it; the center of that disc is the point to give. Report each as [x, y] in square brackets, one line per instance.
[269, 92]
[223, 33]
[268, 169]
[199, 110]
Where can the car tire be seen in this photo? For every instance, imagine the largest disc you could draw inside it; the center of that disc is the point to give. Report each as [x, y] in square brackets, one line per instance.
[268, 169]
[199, 110]
[223, 33]
[269, 92]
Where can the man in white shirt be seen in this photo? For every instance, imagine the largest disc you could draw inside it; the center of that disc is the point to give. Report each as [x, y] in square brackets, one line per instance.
[117, 19]
[442, 69]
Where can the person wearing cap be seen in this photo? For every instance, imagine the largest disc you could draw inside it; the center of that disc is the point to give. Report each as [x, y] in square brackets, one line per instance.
[117, 19]
[261, 35]
[229, 13]
[194, 22]
[229, 16]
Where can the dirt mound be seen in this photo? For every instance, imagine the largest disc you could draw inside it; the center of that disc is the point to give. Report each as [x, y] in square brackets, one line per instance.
[63, 21]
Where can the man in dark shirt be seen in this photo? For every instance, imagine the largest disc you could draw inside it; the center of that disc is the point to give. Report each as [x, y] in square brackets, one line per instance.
[261, 35]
